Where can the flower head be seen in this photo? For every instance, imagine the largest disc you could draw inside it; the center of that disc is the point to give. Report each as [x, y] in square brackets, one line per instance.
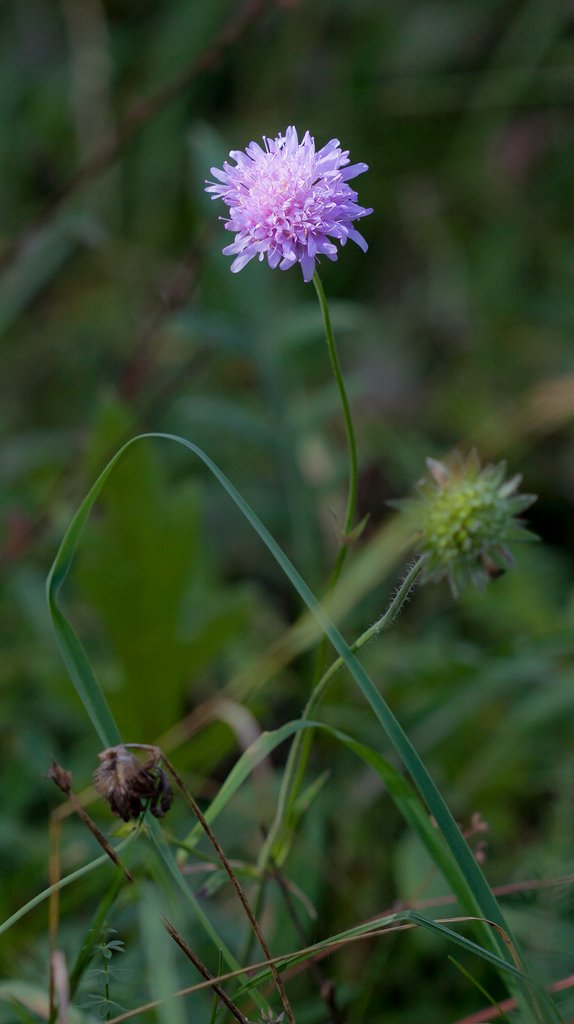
[287, 202]
[131, 786]
[465, 517]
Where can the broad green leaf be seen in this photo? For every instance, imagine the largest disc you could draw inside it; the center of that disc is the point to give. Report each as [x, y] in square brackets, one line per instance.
[167, 617]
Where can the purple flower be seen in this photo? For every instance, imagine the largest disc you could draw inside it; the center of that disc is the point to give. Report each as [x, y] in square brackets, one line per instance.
[286, 201]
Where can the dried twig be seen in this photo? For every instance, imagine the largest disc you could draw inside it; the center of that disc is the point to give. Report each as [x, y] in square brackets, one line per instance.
[326, 949]
[63, 781]
[59, 972]
[236, 885]
[185, 948]
[325, 986]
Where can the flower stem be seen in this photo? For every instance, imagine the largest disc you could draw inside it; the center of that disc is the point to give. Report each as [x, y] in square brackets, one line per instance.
[321, 655]
[300, 748]
[299, 751]
[350, 431]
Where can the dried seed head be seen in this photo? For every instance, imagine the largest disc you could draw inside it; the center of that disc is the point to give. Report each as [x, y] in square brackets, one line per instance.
[131, 786]
[60, 776]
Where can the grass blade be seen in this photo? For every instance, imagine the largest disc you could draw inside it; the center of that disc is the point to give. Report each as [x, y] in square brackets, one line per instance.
[378, 926]
[472, 887]
[63, 882]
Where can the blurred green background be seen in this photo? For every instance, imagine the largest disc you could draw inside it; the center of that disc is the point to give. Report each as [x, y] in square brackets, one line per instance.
[118, 314]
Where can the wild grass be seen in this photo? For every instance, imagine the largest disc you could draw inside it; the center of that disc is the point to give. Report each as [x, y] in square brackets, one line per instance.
[202, 624]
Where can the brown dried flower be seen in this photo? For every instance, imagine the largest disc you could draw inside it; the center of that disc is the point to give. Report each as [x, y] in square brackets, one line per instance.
[131, 786]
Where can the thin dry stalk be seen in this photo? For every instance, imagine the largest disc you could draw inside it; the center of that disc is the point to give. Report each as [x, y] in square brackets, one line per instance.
[63, 781]
[236, 885]
[312, 952]
[325, 986]
[59, 972]
[54, 871]
[200, 966]
[492, 1012]
[507, 889]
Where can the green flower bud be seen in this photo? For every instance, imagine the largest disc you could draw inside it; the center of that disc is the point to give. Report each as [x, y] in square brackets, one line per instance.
[465, 518]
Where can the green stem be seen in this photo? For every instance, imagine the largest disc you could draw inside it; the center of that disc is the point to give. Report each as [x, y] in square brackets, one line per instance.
[350, 431]
[321, 655]
[299, 751]
[301, 746]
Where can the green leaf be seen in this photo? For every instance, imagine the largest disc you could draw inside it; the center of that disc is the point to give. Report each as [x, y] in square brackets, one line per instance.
[166, 617]
[400, 790]
[471, 888]
[409, 917]
[46, 893]
[159, 952]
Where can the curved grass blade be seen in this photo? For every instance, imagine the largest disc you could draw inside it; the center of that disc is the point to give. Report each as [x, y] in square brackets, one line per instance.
[377, 927]
[475, 893]
[61, 884]
[474, 981]
[91, 694]
[400, 790]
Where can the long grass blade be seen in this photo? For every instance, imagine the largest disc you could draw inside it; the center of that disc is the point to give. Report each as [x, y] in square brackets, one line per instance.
[63, 882]
[378, 926]
[90, 691]
[400, 790]
[473, 889]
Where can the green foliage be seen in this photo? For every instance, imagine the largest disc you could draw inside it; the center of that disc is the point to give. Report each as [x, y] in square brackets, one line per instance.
[119, 315]
[154, 582]
[456, 861]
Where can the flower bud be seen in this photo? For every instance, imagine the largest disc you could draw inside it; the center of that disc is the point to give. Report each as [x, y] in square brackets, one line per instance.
[465, 518]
